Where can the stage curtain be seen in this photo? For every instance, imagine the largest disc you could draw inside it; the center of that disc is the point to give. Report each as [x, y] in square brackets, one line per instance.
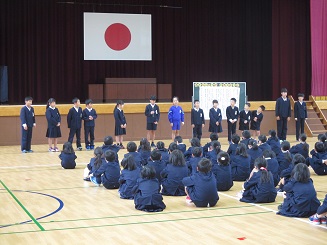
[319, 47]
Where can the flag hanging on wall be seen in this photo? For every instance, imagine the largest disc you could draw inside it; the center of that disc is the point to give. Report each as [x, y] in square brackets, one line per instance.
[117, 36]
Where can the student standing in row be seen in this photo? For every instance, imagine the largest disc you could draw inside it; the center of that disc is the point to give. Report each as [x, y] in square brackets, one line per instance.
[175, 117]
[27, 119]
[215, 118]
[245, 118]
[300, 115]
[197, 120]
[89, 116]
[152, 114]
[120, 123]
[232, 116]
[256, 120]
[283, 114]
[74, 121]
[53, 132]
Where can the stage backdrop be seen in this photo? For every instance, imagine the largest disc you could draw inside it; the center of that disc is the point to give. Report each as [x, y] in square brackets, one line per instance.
[227, 40]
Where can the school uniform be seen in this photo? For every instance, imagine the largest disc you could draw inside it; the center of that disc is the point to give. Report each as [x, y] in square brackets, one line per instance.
[257, 191]
[164, 156]
[245, 142]
[255, 125]
[192, 164]
[110, 174]
[264, 146]
[300, 149]
[119, 120]
[215, 116]
[197, 119]
[27, 118]
[152, 118]
[172, 180]
[145, 155]
[301, 199]
[300, 112]
[283, 161]
[323, 208]
[158, 165]
[316, 163]
[202, 189]
[231, 114]
[273, 166]
[137, 158]
[188, 153]
[113, 148]
[89, 126]
[147, 197]
[240, 167]
[92, 168]
[223, 175]
[53, 118]
[232, 149]
[254, 154]
[283, 111]
[127, 181]
[176, 116]
[275, 145]
[206, 148]
[68, 160]
[181, 147]
[212, 156]
[74, 121]
[244, 116]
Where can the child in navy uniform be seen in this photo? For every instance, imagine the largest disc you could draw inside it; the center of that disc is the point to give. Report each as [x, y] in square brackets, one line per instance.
[245, 118]
[246, 137]
[108, 144]
[206, 147]
[120, 123]
[144, 149]
[321, 216]
[215, 149]
[192, 163]
[195, 142]
[201, 187]
[301, 148]
[175, 117]
[27, 119]
[283, 114]
[74, 121]
[94, 164]
[274, 143]
[263, 145]
[300, 198]
[67, 156]
[215, 118]
[254, 152]
[163, 151]
[318, 161]
[197, 120]
[240, 163]
[89, 115]
[259, 188]
[109, 171]
[256, 119]
[232, 116]
[156, 162]
[223, 172]
[284, 158]
[131, 148]
[273, 165]
[147, 196]
[180, 145]
[53, 118]
[173, 174]
[152, 114]
[300, 115]
[234, 144]
[128, 178]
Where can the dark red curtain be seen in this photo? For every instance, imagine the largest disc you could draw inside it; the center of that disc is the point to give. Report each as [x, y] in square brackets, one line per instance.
[41, 42]
[319, 47]
[291, 47]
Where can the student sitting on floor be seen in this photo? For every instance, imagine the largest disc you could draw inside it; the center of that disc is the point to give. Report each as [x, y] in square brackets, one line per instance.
[222, 170]
[284, 158]
[173, 174]
[321, 216]
[234, 144]
[319, 159]
[301, 148]
[206, 147]
[246, 137]
[156, 162]
[273, 141]
[95, 163]
[262, 142]
[195, 142]
[144, 149]
[240, 163]
[254, 152]
[300, 197]
[163, 151]
[259, 188]
[201, 187]
[215, 149]
[128, 178]
[131, 148]
[67, 156]
[273, 165]
[192, 163]
[147, 192]
[180, 145]
[108, 144]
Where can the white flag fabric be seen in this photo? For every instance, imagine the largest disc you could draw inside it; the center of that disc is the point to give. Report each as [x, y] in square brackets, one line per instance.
[110, 36]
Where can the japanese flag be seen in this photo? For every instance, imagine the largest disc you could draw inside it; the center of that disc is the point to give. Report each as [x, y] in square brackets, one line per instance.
[117, 36]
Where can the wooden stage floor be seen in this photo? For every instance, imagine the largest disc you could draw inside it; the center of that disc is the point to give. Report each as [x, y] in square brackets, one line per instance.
[43, 204]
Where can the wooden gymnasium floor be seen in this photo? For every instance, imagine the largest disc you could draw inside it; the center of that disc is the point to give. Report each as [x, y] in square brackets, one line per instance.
[43, 204]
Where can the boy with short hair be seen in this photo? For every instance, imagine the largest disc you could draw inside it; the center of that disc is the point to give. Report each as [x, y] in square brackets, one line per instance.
[27, 119]
[283, 114]
[192, 163]
[197, 120]
[300, 115]
[232, 114]
[180, 145]
[152, 114]
[215, 118]
[256, 120]
[74, 121]
[175, 117]
[89, 115]
[108, 144]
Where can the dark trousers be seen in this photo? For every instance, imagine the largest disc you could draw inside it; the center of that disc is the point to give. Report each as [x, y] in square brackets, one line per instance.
[89, 130]
[299, 125]
[197, 131]
[231, 130]
[72, 132]
[282, 128]
[26, 138]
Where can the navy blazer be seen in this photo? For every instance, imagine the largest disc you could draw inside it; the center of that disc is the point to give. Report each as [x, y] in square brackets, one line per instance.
[192, 164]
[283, 108]
[137, 158]
[215, 116]
[181, 147]
[223, 176]
[119, 117]
[151, 118]
[172, 180]
[232, 113]
[300, 111]
[275, 145]
[53, 117]
[158, 166]
[27, 116]
[197, 117]
[127, 181]
[264, 146]
[240, 167]
[245, 117]
[273, 167]
[299, 148]
[87, 121]
[316, 163]
[110, 173]
[232, 149]
[68, 160]
[254, 154]
[74, 118]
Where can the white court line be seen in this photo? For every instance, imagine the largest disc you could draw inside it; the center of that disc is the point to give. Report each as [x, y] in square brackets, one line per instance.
[272, 210]
[32, 166]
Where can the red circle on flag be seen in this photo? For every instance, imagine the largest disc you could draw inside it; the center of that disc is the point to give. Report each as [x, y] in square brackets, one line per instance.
[117, 36]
